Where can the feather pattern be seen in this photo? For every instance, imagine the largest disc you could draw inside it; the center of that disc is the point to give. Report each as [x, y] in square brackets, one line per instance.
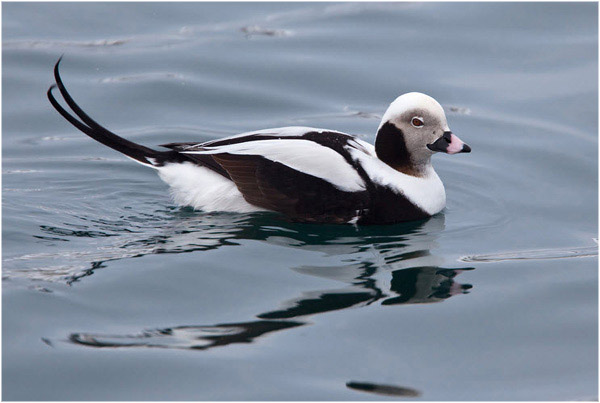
[302, 155]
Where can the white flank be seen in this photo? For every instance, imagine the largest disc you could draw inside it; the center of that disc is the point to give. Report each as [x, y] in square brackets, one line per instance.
[426, 192]
[203, 189]
[302, 155]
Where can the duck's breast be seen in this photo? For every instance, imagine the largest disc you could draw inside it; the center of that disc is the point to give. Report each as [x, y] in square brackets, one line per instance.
[425, 193]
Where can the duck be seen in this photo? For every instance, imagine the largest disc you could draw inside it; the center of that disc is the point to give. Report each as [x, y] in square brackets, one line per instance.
[307, 174]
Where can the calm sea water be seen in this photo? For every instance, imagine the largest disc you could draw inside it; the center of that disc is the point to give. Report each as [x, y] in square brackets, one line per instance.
[112, 292]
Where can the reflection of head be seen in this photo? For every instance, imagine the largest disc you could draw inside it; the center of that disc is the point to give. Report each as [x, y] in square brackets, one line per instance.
[425, 285]
[415, 285]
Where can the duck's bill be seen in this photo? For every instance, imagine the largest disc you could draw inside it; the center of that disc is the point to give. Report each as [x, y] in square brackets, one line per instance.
[449, 143]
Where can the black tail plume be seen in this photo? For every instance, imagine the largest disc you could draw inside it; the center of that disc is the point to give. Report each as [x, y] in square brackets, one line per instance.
[90, 127]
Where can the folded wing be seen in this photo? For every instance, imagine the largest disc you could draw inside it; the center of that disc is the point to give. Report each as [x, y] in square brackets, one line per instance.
[295, 176]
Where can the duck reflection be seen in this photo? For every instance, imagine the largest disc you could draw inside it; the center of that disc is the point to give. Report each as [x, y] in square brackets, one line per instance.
[371, 254]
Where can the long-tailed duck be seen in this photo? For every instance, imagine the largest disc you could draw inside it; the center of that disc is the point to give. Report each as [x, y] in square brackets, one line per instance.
[308, 174]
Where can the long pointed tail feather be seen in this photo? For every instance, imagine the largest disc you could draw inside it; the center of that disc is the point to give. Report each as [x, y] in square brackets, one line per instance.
[99, 133]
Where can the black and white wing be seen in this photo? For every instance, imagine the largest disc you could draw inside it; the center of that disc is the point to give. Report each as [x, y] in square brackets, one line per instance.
[305, 173]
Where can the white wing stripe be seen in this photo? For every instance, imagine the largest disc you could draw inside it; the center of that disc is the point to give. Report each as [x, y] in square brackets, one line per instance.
[282, 131]
[302, 155]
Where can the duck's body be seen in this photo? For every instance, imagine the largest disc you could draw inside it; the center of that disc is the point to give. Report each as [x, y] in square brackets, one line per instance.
[308, 174]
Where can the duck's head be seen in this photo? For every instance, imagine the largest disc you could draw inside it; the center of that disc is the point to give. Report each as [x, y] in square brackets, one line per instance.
[413, 128]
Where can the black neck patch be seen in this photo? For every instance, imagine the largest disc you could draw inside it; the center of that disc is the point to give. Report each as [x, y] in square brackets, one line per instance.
[391, 147]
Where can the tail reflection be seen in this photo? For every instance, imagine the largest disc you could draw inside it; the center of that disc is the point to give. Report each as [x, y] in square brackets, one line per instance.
[187, 337]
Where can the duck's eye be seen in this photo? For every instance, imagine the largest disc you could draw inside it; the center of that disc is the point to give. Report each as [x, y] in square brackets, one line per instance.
[417, 122]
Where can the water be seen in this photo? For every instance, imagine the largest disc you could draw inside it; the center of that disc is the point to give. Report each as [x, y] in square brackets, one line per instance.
[112, 292]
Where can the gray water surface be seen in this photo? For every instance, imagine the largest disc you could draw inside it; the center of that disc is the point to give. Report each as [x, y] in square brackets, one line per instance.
[111, 292]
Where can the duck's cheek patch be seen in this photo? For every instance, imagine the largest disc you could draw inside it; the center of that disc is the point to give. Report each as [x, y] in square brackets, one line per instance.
[456, 145]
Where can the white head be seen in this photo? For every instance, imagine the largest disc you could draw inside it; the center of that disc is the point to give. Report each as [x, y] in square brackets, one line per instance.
[413, 128]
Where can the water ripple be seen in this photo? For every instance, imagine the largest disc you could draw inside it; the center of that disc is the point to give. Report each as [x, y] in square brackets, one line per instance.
[251, 30]
[539, 254]
[41, 43]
